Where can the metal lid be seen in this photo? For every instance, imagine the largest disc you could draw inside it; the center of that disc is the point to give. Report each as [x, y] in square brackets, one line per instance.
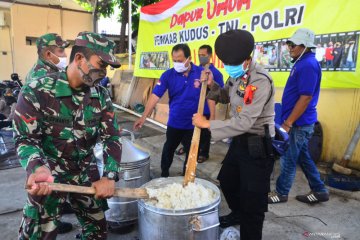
[131, 155]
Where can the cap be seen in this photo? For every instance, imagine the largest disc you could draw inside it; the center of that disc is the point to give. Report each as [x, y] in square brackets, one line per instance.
[51, 39]
[102, 46]
[303, 36]
[234, 47]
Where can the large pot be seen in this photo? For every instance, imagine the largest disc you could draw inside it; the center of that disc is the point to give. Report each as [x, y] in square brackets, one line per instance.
[135, 171]
[163, 224]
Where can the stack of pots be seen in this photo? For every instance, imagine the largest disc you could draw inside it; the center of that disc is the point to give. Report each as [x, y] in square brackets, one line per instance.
[135, 171]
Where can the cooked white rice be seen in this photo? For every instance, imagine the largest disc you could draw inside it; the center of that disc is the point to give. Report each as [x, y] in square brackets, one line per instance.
[176, 197]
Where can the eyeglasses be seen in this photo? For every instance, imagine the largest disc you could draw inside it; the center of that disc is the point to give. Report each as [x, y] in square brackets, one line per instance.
[291, 44]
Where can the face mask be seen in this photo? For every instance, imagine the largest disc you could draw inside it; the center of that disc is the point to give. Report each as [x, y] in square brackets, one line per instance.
[180, 67]
[94, 76]
[235, 71]
[204, 60]
[62, 62]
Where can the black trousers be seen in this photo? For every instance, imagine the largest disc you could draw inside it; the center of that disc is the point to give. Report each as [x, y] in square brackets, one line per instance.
[173, 138]
[245, 181]
[204, 146]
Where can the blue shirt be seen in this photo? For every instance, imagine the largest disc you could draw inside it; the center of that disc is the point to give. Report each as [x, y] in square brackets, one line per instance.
[218, 77]
[304, 79]
[184, 94]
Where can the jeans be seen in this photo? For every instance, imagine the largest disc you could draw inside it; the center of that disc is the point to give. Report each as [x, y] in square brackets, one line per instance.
[298, 152]
[349, 64]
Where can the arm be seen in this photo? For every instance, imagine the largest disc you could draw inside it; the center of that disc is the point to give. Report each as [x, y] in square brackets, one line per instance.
[110, 137]
[27, 126]
[243, 121]
[212, 108]
[298, 110]
[150, 105]
[306, 83]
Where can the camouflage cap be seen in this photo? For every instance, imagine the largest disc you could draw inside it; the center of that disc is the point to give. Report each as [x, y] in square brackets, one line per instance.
[51, 39]
[102, 46]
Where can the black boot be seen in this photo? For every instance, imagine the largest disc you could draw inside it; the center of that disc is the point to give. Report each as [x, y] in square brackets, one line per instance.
[229, 220]
[64, 227]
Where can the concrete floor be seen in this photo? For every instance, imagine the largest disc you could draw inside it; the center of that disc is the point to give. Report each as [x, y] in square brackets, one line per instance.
[338, 218]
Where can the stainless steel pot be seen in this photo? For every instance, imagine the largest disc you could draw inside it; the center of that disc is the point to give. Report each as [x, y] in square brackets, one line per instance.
[135, 171]
[192, 224]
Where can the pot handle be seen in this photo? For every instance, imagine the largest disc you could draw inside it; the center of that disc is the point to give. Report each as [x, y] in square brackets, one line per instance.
[202, 222]
[132, 136]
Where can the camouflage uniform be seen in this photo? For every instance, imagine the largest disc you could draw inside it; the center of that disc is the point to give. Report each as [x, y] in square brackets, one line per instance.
[42, 67]
[58, 126]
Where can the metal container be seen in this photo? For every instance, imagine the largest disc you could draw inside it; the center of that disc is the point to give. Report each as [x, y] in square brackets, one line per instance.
[135, 171]
[163, 224]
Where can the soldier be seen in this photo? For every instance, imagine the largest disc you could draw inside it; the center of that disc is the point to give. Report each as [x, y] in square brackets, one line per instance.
[57, 120]
[245, 174]
[51, 56]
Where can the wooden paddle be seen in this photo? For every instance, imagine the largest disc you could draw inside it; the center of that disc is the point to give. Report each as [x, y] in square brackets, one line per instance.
[194, 149]
[119, 192]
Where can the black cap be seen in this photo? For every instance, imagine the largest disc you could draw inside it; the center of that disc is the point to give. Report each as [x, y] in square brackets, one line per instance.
[234, 47]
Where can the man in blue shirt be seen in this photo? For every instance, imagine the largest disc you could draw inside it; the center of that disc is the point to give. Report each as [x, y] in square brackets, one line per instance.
[183, 85]
[205, 54]
[299, 115]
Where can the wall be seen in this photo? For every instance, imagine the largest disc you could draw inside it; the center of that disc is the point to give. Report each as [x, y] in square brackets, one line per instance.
[34, 21]
[5, 48]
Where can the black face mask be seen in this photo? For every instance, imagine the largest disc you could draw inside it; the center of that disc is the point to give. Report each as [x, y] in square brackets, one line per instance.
[94, 76]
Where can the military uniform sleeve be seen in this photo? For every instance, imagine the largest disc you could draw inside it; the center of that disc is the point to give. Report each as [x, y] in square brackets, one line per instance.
[27, 126]
[243, 121]
[219, 94]
[109, 135]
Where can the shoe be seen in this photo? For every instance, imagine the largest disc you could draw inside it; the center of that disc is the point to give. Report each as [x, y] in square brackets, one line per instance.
[165, 174]
[274, 197]
[64, 227]
[202, 159]
[229, 220]
[67, 209]
[313, 197]
[180, 151]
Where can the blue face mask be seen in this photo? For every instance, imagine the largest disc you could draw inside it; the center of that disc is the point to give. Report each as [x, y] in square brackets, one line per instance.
[235, 71]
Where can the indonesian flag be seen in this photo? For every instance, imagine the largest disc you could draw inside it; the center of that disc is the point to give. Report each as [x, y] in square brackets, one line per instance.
[162, 10]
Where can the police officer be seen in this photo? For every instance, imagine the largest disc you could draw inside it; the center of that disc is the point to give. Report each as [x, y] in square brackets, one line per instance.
[51, 56]
[58, 119]
[245, 173]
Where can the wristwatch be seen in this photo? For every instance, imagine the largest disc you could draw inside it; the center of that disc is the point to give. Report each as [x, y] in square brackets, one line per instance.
[112, 176]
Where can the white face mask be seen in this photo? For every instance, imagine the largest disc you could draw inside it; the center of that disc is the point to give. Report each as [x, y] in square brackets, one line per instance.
[61, 65]
[180, 66]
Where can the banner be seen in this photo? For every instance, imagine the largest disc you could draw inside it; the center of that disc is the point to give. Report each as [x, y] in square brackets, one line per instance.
[198, 22]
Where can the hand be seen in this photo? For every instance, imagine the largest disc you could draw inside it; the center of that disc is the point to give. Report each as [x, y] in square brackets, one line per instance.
[286, 128]
[200, 121]
[139, 123]
[105, 188]
[207, 75]
[43, 175]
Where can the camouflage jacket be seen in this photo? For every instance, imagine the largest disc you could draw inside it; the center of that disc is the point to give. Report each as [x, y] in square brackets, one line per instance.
[40, 69]
[58, 126]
